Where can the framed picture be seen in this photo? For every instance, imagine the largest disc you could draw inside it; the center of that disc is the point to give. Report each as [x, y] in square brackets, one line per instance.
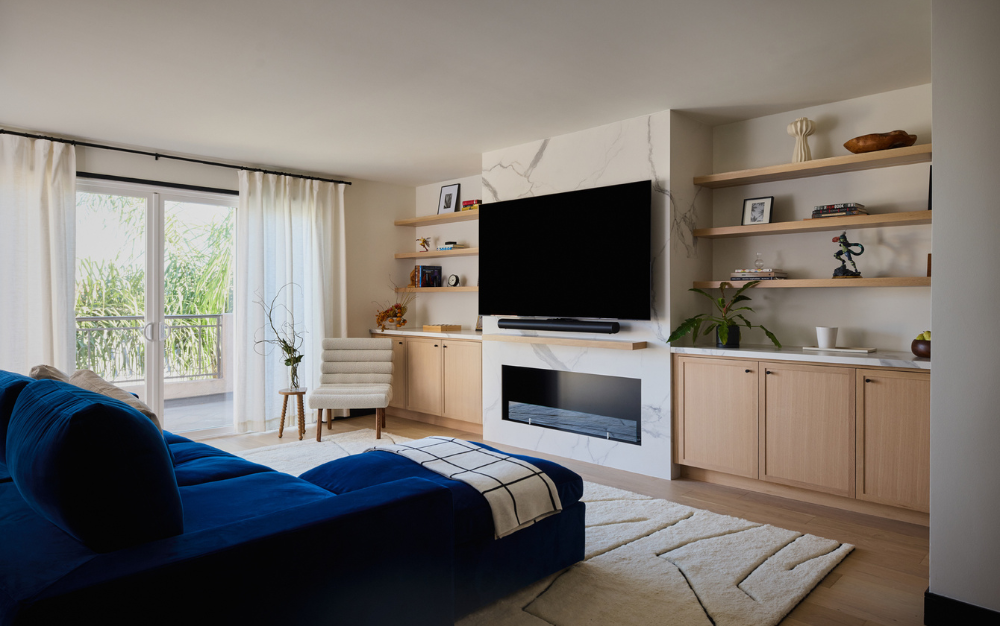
[757, 210]
[448, 202]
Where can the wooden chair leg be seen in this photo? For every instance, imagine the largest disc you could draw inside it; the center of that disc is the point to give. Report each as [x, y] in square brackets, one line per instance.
[319, 424]
[379, 420]
[302, 419]
[383, 418]
[284, 409]
[329, 420]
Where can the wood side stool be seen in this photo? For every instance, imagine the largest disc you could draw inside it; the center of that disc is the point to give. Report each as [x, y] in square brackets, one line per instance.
[300, 392]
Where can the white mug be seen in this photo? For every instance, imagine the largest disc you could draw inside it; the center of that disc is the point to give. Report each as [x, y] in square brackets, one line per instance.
[826, 336]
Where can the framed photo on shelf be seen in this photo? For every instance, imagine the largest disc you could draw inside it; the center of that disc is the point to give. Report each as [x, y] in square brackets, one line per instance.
[448, 202]
[757, 210]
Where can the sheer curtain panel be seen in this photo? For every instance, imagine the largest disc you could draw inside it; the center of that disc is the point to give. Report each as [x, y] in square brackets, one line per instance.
[37, 253]
[288, 230]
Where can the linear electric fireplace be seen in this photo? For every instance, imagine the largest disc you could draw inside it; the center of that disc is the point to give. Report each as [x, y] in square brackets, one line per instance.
[608, 407]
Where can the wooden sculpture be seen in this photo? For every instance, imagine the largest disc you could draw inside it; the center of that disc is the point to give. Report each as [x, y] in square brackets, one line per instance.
[880, 141]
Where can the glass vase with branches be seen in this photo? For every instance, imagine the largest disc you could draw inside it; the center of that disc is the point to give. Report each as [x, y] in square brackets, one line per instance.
[286, 336]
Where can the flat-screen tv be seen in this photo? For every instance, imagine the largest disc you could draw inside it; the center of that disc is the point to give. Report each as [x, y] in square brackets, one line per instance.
[576, 254]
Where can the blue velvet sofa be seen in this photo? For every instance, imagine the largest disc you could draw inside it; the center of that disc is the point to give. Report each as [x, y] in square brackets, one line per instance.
[486, 569]
[105, 520]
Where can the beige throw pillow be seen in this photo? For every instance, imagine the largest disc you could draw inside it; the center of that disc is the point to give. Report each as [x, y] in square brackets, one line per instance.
[47, 372]
[86, 379]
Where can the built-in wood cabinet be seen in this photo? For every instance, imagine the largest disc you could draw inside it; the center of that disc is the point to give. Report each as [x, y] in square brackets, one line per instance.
[424, 389]
[857, 433]
[463, 380]
[398, 373]
[438, 380]
[717, 415]
[894, 438]
[806, 423]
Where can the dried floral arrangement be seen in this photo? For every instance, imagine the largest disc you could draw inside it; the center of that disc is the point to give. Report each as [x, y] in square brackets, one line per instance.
[393, 313]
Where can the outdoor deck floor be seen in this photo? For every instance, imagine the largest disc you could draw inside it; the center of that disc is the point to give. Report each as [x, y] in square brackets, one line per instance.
[199, 413]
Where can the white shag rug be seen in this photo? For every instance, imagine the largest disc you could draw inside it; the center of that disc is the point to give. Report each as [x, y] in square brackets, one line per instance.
[648, 561]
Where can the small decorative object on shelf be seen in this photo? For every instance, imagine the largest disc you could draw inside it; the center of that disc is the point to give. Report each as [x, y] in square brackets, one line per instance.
[921, 346]
[441, 328]
[452, 245]
[393, 313]
[757, 210]
[838, 210]
[801, 128]
[454, 280]
[283, 334]
[881, 141]
[845, 251]
[479, 323]
[448, 202]
[425, 243]
[759, 262]
[761, 273]
[428, 275]
[826, 337]
[413, 277]
[726, 323]
[471, 205]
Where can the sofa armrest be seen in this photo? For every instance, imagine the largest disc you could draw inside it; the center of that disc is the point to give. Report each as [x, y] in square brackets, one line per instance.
[382, 555]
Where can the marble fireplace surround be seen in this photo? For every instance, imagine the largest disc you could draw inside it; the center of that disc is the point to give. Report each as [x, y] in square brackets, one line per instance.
[628, 151]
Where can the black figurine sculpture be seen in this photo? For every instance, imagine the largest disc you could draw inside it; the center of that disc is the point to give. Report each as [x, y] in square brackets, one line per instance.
[845, 250]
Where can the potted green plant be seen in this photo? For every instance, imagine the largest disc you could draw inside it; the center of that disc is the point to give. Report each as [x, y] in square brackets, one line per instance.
[726, 323]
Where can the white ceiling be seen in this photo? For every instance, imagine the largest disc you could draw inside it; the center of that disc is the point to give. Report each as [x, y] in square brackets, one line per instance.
[414, 91]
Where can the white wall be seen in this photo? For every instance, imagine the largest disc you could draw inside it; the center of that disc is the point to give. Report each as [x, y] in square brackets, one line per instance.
[449, 308]
[371, 207]
[965, 396]
[627, 151]
[886, 318]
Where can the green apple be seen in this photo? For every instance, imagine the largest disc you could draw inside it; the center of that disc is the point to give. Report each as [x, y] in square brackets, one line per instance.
[927, 335]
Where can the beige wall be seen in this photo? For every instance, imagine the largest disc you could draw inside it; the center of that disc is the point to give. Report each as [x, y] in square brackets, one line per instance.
[886, 318]
[965, 396]
[448, 308]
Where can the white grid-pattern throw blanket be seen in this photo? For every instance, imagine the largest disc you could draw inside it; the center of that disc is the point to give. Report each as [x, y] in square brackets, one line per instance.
[519, 493]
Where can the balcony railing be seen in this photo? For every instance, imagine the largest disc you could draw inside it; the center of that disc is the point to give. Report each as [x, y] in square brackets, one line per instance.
[115, 349]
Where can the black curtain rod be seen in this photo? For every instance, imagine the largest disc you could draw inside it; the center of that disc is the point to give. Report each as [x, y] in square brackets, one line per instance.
[158, 156]
[158, 183]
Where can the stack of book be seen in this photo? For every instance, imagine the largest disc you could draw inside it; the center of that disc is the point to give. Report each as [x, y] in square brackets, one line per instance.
[453, 245]
[755, 274]
[839, 210]
[470, 205]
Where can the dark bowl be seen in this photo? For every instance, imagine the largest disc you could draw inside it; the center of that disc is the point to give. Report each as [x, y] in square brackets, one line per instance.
[921, 347]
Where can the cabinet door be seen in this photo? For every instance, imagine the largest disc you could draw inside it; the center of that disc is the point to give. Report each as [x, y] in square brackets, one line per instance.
[716, 421]
[463, 380]
[398, 373]
[894, 438]
[807, 427]
[423, 375]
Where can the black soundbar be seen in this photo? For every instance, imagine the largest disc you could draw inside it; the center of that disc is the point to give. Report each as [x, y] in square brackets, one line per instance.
[560, 325]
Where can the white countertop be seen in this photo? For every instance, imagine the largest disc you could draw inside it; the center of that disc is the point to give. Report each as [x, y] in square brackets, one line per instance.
[880, 358]
[472, 335]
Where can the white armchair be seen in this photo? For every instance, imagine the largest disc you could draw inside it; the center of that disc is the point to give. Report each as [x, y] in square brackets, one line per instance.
[356, 374]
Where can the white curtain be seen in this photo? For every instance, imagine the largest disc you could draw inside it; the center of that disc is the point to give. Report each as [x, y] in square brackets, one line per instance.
[37, 253]
[289, 230]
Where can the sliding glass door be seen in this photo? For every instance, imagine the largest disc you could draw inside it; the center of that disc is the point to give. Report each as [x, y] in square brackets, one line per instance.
[154, 283]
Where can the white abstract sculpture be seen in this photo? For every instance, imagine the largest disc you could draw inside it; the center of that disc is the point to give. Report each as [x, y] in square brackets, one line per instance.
[800, 129]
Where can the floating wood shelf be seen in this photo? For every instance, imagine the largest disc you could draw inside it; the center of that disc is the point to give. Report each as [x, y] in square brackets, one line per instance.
[910, 218]
[432, 254]
[791, 283]
[569, 341]
[444, 218]
[819, 167]
[434, 289]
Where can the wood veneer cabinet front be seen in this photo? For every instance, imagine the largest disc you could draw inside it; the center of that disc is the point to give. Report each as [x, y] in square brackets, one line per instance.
[807, 427]
[463, 380]
[398, 373]
[894, 438]
[717, 414]
[423, 375]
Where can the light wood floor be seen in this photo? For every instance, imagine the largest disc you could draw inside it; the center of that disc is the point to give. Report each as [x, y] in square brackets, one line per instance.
[881, 583]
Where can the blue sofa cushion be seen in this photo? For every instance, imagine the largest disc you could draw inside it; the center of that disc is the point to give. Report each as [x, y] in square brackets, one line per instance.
[473, 518]
[11, 385]
[93, 466]
[222, 502]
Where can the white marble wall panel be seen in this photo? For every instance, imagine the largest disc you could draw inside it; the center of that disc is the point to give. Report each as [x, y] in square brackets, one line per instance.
[627, 151]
